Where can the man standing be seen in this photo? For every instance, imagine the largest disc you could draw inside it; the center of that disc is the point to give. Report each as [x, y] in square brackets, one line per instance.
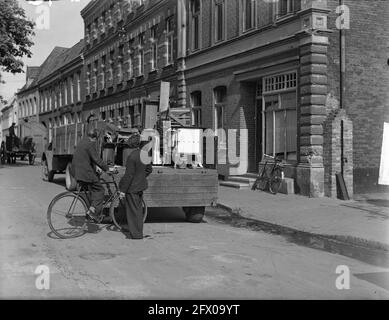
[132, 185]
[85, 160]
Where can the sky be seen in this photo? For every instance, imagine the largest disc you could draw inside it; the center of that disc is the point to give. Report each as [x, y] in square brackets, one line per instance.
[62, 26]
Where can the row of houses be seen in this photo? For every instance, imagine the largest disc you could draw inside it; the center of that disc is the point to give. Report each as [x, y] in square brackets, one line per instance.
[306, 88]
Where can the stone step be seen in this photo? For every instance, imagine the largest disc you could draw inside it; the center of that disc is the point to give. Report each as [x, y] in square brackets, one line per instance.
[236, 185]
[250, 175]
[242, 179]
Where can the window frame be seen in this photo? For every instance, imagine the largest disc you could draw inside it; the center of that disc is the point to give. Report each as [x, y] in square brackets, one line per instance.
[169, 28]
[254, 15]
[195, 17]
[219, 105]
[215, 21]
[196, 108]
[153, 48]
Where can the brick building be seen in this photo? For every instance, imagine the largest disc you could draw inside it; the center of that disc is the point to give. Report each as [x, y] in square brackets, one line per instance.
[273, 68]
[60, 88]
[130, 46]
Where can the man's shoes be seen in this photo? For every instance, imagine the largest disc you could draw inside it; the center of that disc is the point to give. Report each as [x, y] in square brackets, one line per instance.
[95, 217]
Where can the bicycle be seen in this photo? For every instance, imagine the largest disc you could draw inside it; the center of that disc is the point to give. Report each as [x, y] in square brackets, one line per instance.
[67, 213]
[273, 179]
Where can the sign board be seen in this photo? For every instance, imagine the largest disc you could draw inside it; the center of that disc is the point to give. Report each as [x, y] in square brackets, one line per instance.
[384, 166]
[188, 141]
[164, 96]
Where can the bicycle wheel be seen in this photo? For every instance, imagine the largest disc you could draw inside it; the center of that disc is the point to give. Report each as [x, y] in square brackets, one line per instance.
[261, 183]
[66, 215]
[117, 211]
[275, 180]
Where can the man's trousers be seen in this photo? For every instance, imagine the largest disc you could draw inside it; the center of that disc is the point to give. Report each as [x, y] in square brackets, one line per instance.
[96, 191]
[134, 213]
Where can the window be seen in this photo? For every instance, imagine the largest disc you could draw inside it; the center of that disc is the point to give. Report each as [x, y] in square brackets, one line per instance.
[141, 54]
[65, 84]
[119, 66]
[195, 27]
[79, 86]
[88, 80]
[220, 97]
[279, 115]
[169, 40]
[109, 70]
[95, 29]
[102, 73]
[102, 23]
[131, 118]
[60, 94]
[219, 20]
[154, 50]
[248, 14]
[121, 112]
[79, 117]
[103, 115]
[71, 89]
[285, 7]
[196, 108]
[112, 114]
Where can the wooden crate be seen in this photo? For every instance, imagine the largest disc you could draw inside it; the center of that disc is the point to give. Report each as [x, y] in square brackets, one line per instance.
[169, 187]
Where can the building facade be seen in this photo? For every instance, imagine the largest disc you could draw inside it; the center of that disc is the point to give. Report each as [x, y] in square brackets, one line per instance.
[130, 47]
[273, 68]
[28, 98]
[9, 115]
[60, 88]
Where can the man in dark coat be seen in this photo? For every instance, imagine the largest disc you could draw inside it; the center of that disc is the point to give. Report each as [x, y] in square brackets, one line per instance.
[132, 185]
[85, 160]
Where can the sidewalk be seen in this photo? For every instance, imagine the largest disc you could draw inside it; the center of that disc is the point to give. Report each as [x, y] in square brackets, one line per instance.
[361, 224]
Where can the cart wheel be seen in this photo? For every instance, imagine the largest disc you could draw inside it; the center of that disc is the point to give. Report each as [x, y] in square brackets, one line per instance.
[31, 160]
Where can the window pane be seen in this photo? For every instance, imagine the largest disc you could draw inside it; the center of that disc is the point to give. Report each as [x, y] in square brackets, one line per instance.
[196, 33]
[219, 22]
[291, 134]
[279, 132]
[269, 133]
[248, 14]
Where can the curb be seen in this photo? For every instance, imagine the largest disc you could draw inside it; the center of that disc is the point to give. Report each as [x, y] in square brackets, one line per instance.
[371, 252]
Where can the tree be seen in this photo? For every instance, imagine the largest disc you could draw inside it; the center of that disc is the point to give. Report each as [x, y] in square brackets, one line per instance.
[15, 33]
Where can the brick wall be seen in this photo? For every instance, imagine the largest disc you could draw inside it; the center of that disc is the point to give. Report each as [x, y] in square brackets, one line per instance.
[367, 83]
[332, 152]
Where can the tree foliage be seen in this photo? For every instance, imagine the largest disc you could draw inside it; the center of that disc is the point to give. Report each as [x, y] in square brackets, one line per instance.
[15, 32]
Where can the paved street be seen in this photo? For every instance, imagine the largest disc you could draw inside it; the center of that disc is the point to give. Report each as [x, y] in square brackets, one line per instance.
[177, 260]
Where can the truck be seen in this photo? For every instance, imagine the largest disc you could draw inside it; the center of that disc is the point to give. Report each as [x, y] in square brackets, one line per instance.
[173, 182]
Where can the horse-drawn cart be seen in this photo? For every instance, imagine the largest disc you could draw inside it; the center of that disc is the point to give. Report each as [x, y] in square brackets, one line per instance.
[14, 148]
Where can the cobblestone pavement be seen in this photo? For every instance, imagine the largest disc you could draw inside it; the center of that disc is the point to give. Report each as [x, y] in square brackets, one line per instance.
[177, 260]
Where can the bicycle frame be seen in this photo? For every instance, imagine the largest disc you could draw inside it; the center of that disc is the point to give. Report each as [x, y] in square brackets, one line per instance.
[107, 184]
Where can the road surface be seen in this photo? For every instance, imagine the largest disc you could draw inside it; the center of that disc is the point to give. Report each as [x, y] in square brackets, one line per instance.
[177, 260]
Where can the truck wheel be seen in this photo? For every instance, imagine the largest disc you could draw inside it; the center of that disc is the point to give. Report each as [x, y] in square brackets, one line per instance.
[194, 214]
[46, 174]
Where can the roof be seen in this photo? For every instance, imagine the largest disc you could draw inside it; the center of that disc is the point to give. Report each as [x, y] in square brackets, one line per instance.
[59, 60]
[50, 64]
[46, 68]
[32, 72]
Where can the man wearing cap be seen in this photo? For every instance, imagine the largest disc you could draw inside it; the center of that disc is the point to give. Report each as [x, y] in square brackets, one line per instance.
[132, 185]
[85, 160]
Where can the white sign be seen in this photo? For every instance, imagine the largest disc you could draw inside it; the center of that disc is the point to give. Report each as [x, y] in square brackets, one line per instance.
[164, 96]
[188, 141]
[384, 167]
